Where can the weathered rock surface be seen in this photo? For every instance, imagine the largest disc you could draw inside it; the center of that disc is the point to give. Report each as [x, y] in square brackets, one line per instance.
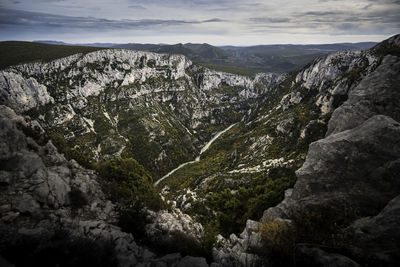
[349, 178]
[39, 190]
[345, 170]
[97, 101]
[165, 223]
[311, 256]
[376, 94]
[376, 239]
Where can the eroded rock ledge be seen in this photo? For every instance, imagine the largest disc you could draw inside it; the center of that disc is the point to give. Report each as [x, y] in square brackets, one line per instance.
[349, 184]
[43, 195]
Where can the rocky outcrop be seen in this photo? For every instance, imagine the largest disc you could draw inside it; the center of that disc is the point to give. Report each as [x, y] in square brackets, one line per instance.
[85, 75]
[97, 101]
[30, 85]
[376, 94]
[375, 239]
[347, 191]
[336, 75]
[312, 256]
[43, 193]
[238, 251]
[165, 223]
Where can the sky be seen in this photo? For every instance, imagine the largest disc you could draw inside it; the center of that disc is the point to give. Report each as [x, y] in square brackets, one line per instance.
[217, 22]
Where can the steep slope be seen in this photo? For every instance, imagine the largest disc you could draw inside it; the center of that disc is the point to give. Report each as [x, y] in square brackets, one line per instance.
[110, 103]
[55, 213]
[344, 204]
[248, 168]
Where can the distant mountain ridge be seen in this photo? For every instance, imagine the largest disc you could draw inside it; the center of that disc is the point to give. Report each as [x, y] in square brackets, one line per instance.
[53, 42]
[247, 60]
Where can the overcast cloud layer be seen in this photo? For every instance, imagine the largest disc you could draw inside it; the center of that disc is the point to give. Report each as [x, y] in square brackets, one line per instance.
[218, 22]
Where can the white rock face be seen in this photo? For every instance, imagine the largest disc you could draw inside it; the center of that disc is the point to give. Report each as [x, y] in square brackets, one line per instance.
[90, 74]
[264, 166]
[21, 93]
[235, 251]
[175, 221]
[323, 72]
[78, 90]
[290, 99]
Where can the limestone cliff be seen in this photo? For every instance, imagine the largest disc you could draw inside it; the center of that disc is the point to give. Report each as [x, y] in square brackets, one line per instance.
[99, 101]
[344, 203]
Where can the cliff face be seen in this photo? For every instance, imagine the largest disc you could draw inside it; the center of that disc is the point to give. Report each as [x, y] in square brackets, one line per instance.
[41, 192]
[100, 100]
[248, 168]
[97, 102]
[344, 203]
[50, 205]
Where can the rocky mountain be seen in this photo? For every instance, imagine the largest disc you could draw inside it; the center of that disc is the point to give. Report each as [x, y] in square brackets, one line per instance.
[248, 168]
[52, 205]
[330, 131]
[107, 102]
[343, 208]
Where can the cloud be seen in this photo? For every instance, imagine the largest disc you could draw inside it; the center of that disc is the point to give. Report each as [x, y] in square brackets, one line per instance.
[223, 19]
[269, 20]
[320, 13]
[357, 16]
[367, 6]
[35, 19]
[137, 7]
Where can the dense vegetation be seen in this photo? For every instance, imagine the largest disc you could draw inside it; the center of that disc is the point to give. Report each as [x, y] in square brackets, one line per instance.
[13, 52]
[128, 183]
[235, 207]
[227, 200]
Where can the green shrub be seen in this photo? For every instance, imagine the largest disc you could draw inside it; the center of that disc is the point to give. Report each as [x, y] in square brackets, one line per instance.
[128, 183]
[133, 220]
[82, 157]
[323, 226]
[210, 234]
[264, 191]
[277, 238]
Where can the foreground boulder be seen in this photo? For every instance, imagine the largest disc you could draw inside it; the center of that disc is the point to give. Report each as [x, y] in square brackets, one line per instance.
[53, 210]
[343, 209]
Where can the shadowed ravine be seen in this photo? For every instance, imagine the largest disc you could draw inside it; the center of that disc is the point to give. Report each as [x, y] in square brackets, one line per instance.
[204, 149]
